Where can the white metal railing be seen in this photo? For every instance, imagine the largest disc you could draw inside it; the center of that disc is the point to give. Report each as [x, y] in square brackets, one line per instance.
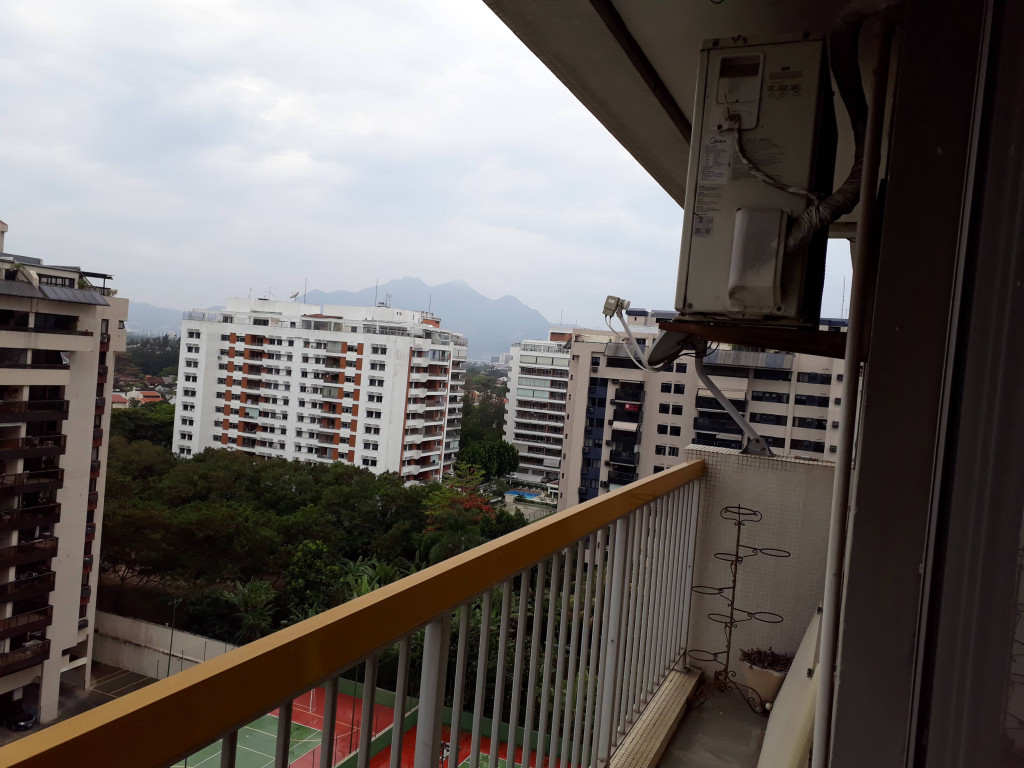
[593, 630]
[544, 646]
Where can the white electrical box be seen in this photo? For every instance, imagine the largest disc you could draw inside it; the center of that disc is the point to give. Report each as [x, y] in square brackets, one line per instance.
[774, 98]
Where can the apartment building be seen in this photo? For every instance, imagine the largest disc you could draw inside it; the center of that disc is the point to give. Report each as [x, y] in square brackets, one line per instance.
[374, 387]
[623, 423]
[536, 408]
[58, 335]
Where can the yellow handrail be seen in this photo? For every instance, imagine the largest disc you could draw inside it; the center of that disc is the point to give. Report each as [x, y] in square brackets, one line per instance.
[174, 717]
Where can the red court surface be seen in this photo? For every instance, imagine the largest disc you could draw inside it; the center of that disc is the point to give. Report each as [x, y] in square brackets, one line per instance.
[308, 710]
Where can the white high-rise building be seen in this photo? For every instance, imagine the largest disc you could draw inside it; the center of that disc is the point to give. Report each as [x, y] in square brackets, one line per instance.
[623, 423]
[538, 385]
[375, 387]
[58, 335]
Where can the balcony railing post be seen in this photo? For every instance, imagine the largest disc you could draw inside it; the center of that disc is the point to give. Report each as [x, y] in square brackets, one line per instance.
[611, 654]
[284, 735]
[432, 683]
[366, 724]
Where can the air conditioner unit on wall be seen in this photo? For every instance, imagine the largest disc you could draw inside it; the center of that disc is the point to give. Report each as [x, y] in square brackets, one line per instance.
[762, 109]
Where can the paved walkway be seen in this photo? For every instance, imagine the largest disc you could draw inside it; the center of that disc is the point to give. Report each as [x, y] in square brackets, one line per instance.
[721, 733]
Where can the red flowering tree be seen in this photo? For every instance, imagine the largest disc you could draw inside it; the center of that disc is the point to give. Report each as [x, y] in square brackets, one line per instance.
[455, 513]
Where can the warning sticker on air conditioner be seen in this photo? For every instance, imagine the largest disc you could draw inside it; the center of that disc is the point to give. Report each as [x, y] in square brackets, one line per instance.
[715, 158]
[703, 226]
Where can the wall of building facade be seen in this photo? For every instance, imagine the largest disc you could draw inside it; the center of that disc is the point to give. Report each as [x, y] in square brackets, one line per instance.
[793, 498]
[374, 387]
[58, 336]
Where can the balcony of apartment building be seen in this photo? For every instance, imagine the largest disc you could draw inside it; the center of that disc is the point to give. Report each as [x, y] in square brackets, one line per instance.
[629, 393]
[32, 512]
[590, 614]
[32, 446]
[32, 481]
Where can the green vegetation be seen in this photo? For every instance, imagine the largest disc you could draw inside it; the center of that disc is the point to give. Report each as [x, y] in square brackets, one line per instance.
[250, 543]
[151, 355]
[483, 410]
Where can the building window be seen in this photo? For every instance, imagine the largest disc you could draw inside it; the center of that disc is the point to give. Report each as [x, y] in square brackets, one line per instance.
[658, 469]
[185, 435]
[814, 378]
[193, 334]
[839, 377]
[663, 429]
[192, 348]
[370, 445]
[674, 431]
[663, 408]
[810, 446]
[378, 349]
[677, 410]
[666, 386]
[773, 375]
[660, 450]
[838, 401]
[832, 449]
[368, 462]
[188, 392]
[680, 368]
[673, 450]
[678, 389]
[374, 382]
[778, 419]
[191, 363]
[805, 423]
[813, 400]
[376, 366]
[371, 430]
[769, 397]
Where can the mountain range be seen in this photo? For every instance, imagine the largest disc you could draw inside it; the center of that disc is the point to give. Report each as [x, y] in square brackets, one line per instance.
[491, 325]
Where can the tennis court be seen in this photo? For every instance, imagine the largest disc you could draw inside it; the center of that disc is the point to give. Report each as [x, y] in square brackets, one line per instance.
[256, 743]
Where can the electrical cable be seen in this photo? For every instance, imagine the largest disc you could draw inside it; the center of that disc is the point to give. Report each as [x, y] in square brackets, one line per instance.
[761, 175]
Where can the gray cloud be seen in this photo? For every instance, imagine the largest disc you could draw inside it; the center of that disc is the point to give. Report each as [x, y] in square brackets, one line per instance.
[200, 149]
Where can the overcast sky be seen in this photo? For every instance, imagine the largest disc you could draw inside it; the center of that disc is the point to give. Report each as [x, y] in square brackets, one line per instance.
[200, 149]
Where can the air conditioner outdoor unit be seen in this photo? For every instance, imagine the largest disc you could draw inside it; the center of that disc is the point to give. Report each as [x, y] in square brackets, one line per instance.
[762, 153]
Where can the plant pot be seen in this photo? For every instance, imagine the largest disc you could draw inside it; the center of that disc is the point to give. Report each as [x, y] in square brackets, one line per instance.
[766, 682]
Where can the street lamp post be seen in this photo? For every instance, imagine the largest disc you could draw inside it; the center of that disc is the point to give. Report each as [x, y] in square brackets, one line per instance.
[170, 648]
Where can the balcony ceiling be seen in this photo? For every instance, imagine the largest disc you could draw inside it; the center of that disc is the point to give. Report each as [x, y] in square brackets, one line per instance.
[633, 63]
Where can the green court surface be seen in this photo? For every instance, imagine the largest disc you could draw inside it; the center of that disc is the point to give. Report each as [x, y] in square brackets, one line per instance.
[485, 762]
[256, 746]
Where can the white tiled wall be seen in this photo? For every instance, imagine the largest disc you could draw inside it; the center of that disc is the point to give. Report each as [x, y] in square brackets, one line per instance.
[794, 498]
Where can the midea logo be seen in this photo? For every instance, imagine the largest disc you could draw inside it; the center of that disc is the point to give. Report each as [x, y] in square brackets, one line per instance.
[717, 140]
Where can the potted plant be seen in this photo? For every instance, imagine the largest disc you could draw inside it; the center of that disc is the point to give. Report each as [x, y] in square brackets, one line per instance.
[764, 670]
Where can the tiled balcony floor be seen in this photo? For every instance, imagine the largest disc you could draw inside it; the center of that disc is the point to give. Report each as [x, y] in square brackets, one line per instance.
[721, 733]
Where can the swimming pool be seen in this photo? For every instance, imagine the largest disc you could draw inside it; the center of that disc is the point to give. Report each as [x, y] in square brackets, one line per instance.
[525, 494]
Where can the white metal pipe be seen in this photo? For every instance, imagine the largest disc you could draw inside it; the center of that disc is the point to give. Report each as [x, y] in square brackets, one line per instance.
[531, 681]
[611, 658]
[283, 743]
[632, 591]
[432, 684]
[401, 686]
[228, 750]
[517, 667]
[366, 724]
[549, 649]
[570, 671]
[499, 679]
[563, 639]
[839, 519]
[595, 645]
[483, 653]
[460, 686]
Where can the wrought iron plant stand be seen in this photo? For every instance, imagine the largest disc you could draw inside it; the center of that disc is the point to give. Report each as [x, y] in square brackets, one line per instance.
[724, 679]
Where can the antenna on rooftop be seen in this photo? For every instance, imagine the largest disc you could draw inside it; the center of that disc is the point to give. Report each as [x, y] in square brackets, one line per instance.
[842, 310]
[375, 284]
[294, 295]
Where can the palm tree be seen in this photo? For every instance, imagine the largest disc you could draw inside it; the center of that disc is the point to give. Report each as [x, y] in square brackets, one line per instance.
[254, 608]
